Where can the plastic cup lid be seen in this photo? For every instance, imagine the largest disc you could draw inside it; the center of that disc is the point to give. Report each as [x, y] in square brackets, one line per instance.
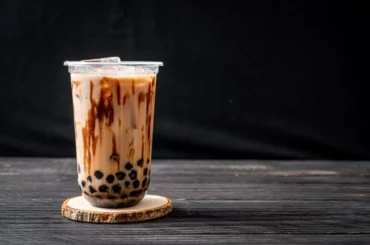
[112, 61]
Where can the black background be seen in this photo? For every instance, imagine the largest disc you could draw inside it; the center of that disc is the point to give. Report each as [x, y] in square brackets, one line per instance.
[272, 80]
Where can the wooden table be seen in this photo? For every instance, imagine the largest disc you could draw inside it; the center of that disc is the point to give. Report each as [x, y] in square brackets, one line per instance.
[215, 202]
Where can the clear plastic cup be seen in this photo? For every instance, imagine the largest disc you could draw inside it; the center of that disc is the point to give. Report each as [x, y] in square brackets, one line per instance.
[113, 107]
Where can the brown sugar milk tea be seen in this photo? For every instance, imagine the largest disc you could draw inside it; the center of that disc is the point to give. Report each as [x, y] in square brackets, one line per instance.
[113, 106]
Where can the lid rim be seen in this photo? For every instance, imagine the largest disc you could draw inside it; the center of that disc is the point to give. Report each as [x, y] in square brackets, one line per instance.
[133, 63]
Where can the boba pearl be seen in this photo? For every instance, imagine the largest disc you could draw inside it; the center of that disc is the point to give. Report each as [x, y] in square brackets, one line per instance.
[83, 183]
[132, 175]
[103, 188]
[140, 162]
[92, 190]
[124, 196]
[89, 179]
[145, 171]
[127, 184]
[136, 193]
[144, 182]
[120, 175]
[111, 197]
[116, 188]
[136, 183]
[98, 174]
[128, 166]
[114, 157]
[110, 179]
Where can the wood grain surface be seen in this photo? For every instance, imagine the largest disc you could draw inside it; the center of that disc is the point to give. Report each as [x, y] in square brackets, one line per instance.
[214, 202]
[82, 212]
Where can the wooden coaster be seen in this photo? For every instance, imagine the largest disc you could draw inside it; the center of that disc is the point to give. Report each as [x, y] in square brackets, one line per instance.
[151, 207]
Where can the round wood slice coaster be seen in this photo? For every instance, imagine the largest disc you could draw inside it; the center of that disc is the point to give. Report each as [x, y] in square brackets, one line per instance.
[151, 207]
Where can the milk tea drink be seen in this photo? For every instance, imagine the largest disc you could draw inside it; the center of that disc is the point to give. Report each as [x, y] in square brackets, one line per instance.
[113, 106]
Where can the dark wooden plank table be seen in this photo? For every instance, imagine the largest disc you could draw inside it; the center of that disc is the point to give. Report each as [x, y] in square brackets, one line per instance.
[215, 202]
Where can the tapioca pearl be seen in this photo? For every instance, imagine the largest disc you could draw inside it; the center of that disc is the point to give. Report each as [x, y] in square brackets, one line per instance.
[110, 179]
[133, 174]
[136, 193]
[128, 166]
[89, 179]
[98, 174]
[144, 182]
[136, 184]
[120, 175]
[145, 172]
[124, 196]
[140, 162]
[127, 184]
[114, 158]
[83, 183]
[92, 190]
[103, 188]
[116, 188]
[111, 197]
[78, 168]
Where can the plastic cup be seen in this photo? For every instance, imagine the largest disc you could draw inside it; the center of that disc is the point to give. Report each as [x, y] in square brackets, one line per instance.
[113, 108]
